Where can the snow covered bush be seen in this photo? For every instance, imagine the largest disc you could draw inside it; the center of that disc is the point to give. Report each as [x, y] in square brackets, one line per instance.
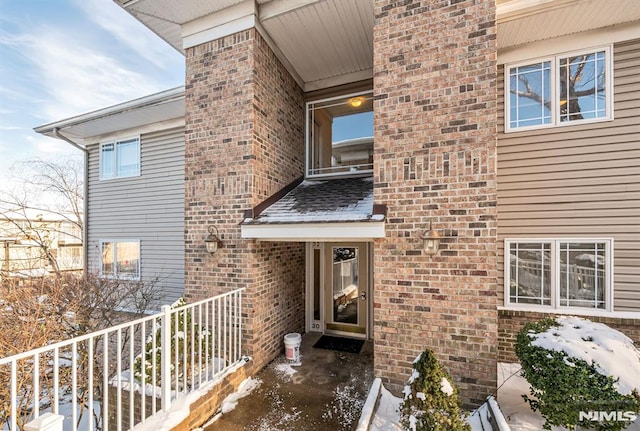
[187, 338]
[430, 400]
[581, 373]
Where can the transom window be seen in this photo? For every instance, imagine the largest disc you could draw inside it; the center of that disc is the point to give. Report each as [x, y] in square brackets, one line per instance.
[340, 136]
[120, 159]
[559, 273]
[120, 259]
[559, 90]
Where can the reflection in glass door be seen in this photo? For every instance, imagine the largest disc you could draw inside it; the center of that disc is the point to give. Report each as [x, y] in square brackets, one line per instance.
[345, 285]
[346, 288]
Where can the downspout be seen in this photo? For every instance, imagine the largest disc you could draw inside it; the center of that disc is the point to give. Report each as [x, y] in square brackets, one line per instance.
[85, 198]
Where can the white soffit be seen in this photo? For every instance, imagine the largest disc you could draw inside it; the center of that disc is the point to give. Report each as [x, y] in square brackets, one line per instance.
[525, 21]
[166, 107]
[322, 42]
[325, 40]
[303, 232]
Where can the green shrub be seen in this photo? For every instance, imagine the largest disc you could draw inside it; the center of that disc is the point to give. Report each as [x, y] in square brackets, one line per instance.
[430, 400]
[562, 386]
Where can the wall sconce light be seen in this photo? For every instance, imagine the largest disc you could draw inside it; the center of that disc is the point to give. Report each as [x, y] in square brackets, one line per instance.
[431, 240]
[213, 241]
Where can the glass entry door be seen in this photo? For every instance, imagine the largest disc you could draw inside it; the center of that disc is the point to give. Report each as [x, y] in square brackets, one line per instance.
[346, 288]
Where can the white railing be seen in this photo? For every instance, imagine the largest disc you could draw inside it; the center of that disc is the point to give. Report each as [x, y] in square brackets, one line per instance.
[120, 376]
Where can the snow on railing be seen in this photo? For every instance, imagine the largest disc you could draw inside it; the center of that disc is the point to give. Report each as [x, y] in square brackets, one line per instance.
[120, 376]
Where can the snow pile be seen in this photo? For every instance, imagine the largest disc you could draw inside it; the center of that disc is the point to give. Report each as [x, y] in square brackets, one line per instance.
[387, 415]
[612, 352]
[445, 387]
[245, 388]
[284, 370]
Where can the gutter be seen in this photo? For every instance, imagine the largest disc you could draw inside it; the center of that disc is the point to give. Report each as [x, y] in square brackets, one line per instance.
[85, 198]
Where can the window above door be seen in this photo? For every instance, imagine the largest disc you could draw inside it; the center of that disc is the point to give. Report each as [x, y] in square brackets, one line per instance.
[339, 136]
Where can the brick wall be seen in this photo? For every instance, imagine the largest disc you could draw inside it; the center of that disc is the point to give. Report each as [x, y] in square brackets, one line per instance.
[435, 158]
[511, 322]
[244, 141]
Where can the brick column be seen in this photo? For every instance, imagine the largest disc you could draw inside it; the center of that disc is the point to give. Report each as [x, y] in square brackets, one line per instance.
[244, 141]
[435, 158]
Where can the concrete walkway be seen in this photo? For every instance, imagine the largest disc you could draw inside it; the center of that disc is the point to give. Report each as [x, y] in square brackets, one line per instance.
[325, 392]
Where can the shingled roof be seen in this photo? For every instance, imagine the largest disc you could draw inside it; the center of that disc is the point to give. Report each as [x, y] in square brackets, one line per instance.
[323, 201]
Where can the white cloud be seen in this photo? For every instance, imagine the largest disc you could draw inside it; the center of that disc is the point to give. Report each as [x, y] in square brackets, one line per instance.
[45, 147]
[76, 77]
[3, 127]
[127, 30]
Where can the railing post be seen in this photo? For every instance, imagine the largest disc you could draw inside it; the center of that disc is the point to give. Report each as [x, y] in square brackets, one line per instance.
[165, 357]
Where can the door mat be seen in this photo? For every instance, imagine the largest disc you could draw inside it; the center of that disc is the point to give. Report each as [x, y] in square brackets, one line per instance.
[349, 345]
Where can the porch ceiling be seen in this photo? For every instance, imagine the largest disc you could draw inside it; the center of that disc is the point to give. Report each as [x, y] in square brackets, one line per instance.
[323, 42]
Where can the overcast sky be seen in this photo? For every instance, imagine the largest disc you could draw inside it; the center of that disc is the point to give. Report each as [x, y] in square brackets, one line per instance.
[61, 58]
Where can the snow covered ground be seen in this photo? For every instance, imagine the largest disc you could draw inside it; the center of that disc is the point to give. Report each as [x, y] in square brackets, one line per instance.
[387, 416]
[511, 387]
[516, 411]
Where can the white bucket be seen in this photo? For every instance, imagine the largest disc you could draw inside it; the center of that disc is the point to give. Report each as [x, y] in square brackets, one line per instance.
[292, 346]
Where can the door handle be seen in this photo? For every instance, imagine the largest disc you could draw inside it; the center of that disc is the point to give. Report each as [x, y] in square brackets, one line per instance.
[363, 295]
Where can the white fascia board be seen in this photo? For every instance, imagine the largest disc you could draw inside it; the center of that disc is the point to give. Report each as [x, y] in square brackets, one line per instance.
[520, 9]
[303, 232]
[572, 42]
[220, 24]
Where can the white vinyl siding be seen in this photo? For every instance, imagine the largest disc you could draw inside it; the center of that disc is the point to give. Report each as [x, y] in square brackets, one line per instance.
[148, 208]
[581, 181]
[568, 88]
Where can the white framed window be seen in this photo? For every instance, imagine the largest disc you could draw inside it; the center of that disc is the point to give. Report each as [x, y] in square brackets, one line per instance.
[569, 88]
[120, 159]
[559, 273]
[120, 259]
[339, 136]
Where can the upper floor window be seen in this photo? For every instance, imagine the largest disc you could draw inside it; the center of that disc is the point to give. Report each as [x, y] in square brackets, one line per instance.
[559, 90]
[120, 159]
[559, 273]
[340, 136]
[120, 259]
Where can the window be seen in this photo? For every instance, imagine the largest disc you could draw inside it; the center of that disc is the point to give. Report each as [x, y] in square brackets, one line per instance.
[340, 136]
[120, 259]
[559, 273]
[120, 159]
[560, 90]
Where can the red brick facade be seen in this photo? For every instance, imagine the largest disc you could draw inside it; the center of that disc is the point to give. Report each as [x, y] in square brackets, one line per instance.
[435, 158]
[244, 141]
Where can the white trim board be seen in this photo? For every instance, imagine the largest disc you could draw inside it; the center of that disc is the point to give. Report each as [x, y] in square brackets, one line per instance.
[309, 232]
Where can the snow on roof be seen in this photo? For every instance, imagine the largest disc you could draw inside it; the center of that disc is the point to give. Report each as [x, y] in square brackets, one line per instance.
[313, 201]
[613, 353]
